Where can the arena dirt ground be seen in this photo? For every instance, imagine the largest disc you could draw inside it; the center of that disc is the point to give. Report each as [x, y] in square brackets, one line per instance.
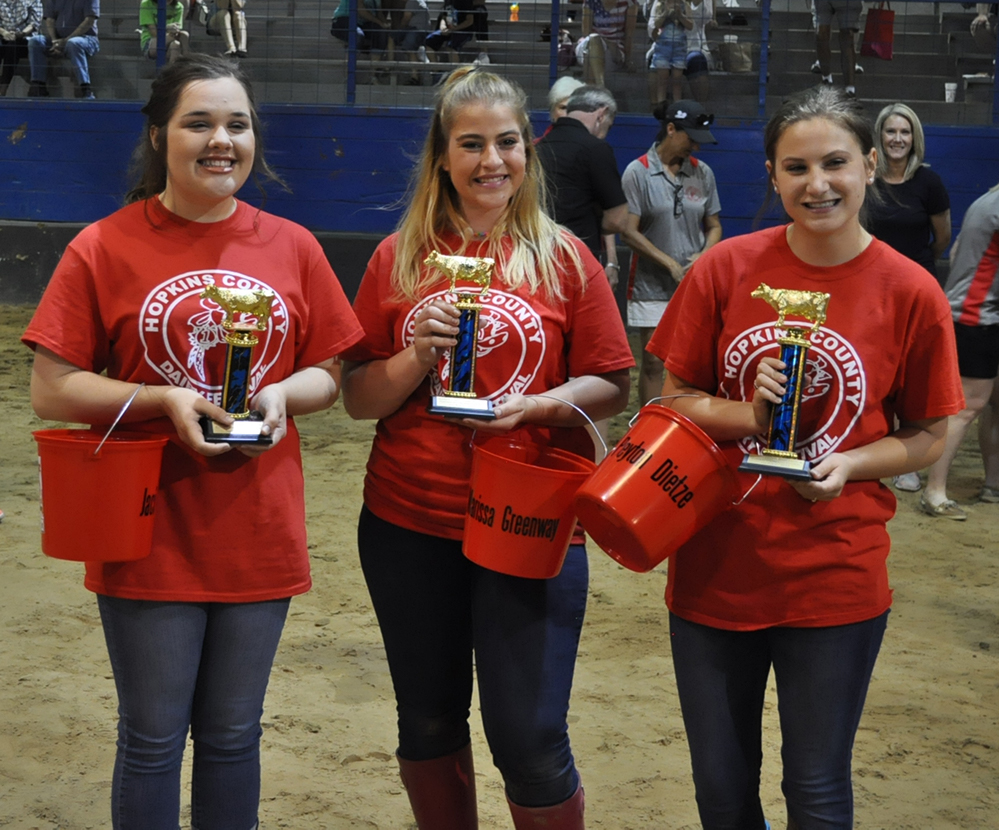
[926, 758]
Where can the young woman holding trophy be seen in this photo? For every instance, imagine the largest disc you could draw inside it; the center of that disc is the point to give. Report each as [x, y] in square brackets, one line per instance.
[547, 331]
[137, 308]
[794, 577]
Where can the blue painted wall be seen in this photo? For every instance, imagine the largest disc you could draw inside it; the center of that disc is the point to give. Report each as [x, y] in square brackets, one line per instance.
[66, 161]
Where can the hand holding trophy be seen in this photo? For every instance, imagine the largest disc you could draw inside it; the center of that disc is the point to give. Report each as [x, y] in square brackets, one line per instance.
[459, 400]
[240, 340]
[779, 457]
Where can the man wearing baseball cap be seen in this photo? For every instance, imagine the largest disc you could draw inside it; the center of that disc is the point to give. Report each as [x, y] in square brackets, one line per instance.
[673, 210]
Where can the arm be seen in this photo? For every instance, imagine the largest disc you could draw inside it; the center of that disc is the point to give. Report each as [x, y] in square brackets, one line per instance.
[615, 220]
[721, 419]
[629, 34]
[612, 269]
[61, 391]
[913, 446]
[683, 16]
[712, 236]
[586, 25]
[940, 224]
[634, 239]
[311, 389]
[371, 17]
[377, 388]
[599, 396]
[85, 26]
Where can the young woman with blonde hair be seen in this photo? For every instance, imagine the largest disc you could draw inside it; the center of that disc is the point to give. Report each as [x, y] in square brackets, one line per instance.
[549, 328]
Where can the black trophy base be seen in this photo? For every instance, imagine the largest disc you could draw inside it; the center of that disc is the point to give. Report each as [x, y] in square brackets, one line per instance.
[455, 407]
[241, 431]
[775, 465]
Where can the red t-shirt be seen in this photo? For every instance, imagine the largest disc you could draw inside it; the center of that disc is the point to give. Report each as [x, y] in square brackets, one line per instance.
[886, 349]
[420, 464]
[125, 299]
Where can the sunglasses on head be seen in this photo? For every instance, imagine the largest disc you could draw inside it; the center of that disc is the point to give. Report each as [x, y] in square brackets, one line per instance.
[703, 121]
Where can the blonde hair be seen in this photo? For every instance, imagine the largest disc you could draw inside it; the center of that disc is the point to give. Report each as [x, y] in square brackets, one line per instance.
[526, 243]
[918, 151]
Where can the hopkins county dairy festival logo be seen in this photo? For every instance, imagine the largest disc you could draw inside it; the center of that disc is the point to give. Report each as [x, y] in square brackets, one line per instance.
[506, 323]
[835, 384]
[183, 336]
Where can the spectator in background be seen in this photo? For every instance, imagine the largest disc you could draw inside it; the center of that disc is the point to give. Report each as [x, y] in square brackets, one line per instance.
[480, 26]
[912, 213]
[983, 27]
[176, 38]
[371, 26]
[608, 34]
[412, 31]
[668, 22]
[230, 21]
[558, 97]
[454, 29]
[583, 186]
[672, 219]
[71, 32]
[973, 292]
[847, 16]
[18, 20]
[699, 62]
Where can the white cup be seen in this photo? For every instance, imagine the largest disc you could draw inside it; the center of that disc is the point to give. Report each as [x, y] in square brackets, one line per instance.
[950, 93]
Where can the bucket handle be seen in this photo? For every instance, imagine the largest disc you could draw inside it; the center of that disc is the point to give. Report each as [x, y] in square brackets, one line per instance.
[124, 409]
[589, 420]
[631, 423]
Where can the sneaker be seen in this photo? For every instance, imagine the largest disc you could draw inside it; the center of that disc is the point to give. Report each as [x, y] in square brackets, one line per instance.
[481, 60]
[827, 80]
[945, 510]
[858, 69]
[989, 495]
[817, 68]
[202, 14]
[422, 54]
[907, 483]
[86, 92]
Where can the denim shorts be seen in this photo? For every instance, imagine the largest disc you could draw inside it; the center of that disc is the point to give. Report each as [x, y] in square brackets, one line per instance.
[670, 50]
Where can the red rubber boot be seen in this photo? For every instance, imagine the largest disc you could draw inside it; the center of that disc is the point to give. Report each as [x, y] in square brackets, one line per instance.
[442, 791]
[565, 816]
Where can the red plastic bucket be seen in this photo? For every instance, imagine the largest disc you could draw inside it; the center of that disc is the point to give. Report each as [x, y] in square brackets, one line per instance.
[98, 508]
[520, 518]
[663, 482]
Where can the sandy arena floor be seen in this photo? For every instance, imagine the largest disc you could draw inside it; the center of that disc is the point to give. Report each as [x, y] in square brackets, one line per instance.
[927, 754]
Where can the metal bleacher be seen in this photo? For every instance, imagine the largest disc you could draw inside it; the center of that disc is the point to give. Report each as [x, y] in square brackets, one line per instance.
[293, 59]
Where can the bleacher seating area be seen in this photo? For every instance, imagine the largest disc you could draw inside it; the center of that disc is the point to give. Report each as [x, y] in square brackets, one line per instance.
[294, 59]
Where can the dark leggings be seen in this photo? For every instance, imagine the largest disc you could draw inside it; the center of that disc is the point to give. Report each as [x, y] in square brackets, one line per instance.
[11, 53]
[435, 609]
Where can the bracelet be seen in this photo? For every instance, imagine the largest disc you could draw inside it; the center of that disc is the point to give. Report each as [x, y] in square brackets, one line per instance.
[612, 265]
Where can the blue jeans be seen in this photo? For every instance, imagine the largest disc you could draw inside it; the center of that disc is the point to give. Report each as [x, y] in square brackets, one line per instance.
[435, 609]
[78, 49]
[822, 677]
[199, 665]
